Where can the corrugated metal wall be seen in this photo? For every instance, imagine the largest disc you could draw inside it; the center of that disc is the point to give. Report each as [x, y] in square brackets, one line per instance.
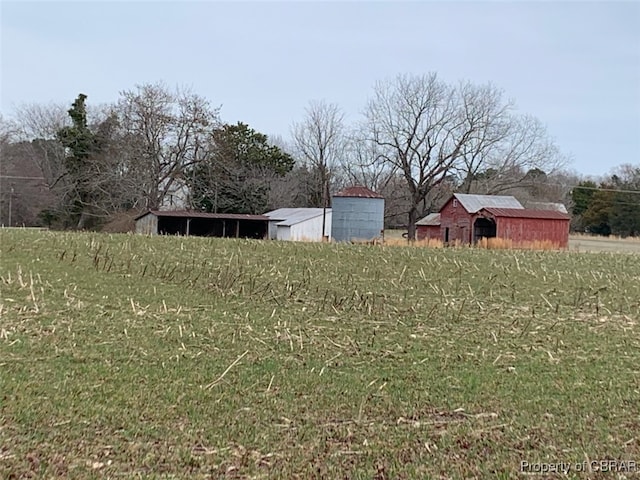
[311, 230]
[272, 233]
[357, 218]
[284, 232]
[526, 230]
[147, 225]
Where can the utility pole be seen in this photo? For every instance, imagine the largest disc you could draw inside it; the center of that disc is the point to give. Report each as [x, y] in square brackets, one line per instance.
[10, 198]
[325, 187]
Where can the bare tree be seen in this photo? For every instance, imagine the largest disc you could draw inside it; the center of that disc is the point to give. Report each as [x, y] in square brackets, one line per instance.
[38, 126]
[295, 190]
[430, 132]
[362, 162]
[482, 102]
[41, 120]
[23, 191]
[278, 141]
[166, 133]
[319, 140]
[421, 126]
[520, 148]
[8, 131]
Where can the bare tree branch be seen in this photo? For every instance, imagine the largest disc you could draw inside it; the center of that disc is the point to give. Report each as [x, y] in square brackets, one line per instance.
[166, 133]
[320, 141]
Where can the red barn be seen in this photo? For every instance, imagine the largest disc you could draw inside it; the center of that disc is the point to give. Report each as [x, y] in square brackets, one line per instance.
[458, 214]
[525, 226]
[428, 227]
[465, 219]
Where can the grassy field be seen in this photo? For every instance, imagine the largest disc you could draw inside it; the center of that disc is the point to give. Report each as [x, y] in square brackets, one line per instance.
[124, 356]
[577, 242]
[588, 243]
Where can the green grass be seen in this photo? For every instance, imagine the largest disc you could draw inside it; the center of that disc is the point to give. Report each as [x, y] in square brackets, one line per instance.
[136, 357]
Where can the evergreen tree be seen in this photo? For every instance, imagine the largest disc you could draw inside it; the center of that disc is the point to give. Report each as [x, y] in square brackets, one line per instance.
[80, 144]
[236, 177]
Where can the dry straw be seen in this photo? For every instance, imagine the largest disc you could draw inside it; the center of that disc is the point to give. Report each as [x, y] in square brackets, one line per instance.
[483, 243]
[508, 244]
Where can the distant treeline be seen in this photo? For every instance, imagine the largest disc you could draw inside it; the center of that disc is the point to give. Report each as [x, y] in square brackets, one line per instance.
[419, 140]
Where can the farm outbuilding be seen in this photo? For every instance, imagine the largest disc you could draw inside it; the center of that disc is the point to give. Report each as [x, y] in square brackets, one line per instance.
[458, 215]
[428, 227]
[465, 219]
[525, 226]
[299, 224]
[202, 224]
[358, 214]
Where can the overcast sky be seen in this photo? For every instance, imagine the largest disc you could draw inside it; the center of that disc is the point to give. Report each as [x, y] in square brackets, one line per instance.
[574, 65]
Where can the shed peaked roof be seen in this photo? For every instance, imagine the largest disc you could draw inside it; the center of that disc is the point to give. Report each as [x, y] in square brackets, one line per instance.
[527, 213]
[292, 216]
[432, 220]
[558, 207]
[358, 191]
[475, 203]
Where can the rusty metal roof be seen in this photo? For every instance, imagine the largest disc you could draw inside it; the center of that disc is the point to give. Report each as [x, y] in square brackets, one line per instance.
[197, 214]
[527, 213]
[431, 220]
[475, 203]
[358, 191]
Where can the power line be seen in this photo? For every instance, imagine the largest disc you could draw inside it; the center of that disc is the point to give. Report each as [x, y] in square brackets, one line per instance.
[583, 187]
[616, 190]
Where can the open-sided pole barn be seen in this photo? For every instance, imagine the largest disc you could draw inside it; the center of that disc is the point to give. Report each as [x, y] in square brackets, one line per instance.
[201, 224]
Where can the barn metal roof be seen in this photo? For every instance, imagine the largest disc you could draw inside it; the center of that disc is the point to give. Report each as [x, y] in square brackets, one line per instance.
[292, 216]
[358, 191]
[558, 207]
[431, 220]
[527, 213]
[475, 203]
[197, 214]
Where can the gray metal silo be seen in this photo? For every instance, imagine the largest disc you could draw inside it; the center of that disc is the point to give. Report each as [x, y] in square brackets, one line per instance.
[358, 214]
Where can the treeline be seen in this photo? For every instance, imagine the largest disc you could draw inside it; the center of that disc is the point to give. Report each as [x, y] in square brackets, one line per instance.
[610, 207]
[418, 140]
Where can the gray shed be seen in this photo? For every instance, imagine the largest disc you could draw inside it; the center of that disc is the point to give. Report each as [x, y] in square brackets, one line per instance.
[358, 214]
[299, 224]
